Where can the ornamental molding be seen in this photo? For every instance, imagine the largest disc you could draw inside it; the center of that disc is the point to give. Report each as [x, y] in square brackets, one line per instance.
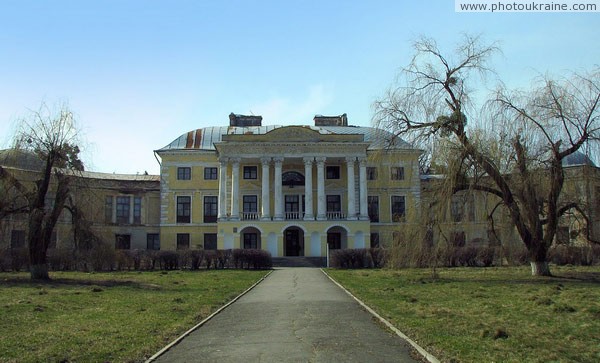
[292, 149]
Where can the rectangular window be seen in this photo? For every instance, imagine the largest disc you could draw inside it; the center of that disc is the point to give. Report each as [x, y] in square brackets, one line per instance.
[210, 173]
[123, 209]
[184, 207]
[292, 203]
[334, 203]
[397, 173]
[251, 241]
[183, 241]
[371, 173]
[456, 208]
[122, 241]
[398, 208]
[250, 204]
[108, 209]
[332, 172]
[17, 239]
[210, 241]
[251, 172]
[374, 240]
[184, 173]
[137, 210]
[210, 209]
[153, 241]
[373, 208]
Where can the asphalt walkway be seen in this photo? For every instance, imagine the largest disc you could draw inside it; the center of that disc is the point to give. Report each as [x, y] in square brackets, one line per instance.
[294, 315]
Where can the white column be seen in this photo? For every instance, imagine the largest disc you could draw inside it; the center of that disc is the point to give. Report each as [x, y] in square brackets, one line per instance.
[222, 189]
[308, 192]
[265, 201]
[351, 189]
[278, 190]
[362, 182]
[321, 211]
[235, 189]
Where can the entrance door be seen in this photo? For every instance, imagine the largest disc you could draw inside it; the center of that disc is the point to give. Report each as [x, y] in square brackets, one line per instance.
[292, 242]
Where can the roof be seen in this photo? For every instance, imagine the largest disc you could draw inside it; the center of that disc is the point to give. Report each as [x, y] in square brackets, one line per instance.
[21, 159]
[122, 177]
[204, 139]
[577, 158]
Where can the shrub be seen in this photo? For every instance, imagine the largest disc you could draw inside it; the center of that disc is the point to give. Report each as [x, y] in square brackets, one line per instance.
[61, 259]
[378, 257]
[19, 259]
[168, 260]
[251, 258]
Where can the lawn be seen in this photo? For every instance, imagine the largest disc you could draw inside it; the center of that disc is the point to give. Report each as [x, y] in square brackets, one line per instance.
[107, 317]
[491, 314]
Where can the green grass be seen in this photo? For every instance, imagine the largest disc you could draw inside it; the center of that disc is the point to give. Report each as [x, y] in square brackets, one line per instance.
[489, 315]
[107, 317]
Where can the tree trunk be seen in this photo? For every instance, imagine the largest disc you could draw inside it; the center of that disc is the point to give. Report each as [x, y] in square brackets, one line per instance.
[39, 272]
[540, 268]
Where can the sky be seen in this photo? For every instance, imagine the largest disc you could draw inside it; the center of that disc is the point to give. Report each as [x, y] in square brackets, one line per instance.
[138, 74]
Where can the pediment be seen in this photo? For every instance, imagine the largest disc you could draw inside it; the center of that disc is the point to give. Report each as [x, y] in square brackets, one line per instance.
[294, 134]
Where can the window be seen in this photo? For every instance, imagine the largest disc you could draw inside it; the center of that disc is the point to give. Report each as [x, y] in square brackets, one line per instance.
[292, 203]
[184, 205]
[122, 241]
[334, 203]
[183, 241]
[334, 240]
[108, 209]
[250, 241]
[374, 240]
[456, 208]
[184, 173]
[17, 239]
[371, 173]
[137, 210]
[332, 172]
[250, 204]
[153, 241]
[373, 208]
[123, 209]
[210, 241]
[251, 172]
[398, 208]
[397, 173]
[210, 209]
[210, 173]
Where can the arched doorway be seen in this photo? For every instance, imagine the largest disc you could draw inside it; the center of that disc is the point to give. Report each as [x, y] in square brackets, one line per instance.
[293, 242]
[250, 238]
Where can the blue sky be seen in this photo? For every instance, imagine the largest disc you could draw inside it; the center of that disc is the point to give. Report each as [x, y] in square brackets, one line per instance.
[140, 73]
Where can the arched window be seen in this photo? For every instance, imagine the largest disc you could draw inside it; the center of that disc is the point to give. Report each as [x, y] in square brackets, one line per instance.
[292, 178]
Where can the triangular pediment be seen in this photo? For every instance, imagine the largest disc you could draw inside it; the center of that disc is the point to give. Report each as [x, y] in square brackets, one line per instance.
[294, 134]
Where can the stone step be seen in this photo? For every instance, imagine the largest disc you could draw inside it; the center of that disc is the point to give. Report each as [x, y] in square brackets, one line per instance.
[299, 261]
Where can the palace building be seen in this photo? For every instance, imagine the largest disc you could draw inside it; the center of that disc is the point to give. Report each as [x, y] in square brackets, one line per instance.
[291, 190]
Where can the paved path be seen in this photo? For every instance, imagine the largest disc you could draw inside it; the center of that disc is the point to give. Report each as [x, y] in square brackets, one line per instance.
[294, 315]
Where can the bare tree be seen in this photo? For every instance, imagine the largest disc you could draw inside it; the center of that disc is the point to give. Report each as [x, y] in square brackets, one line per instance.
[52, 136]
[512, 147]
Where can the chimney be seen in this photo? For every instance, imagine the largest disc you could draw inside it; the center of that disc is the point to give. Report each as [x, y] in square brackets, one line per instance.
[244, 120]
[341, 120]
